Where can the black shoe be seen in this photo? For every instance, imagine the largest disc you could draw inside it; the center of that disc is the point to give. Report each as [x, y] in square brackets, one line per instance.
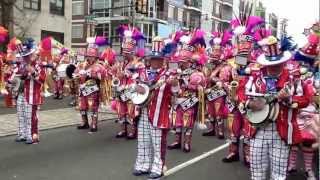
[155, 176]
[139, 173]
[85, 126]
[209, 133]
[93, 129]
[231, 158]
[20, 139]
[174, 145]
[220, 136]
[292, 171]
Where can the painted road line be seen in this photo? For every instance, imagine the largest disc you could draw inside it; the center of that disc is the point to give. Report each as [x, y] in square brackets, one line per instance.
[196, 159]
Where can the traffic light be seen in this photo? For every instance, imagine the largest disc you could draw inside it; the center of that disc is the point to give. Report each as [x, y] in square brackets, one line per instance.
[142, 6]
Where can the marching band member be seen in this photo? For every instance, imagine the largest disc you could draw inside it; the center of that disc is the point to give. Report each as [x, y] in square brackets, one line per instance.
[271, 138]
[306, 57]
[191, 82]
[216, 106]
[154, 122]
[132, 45]
[90, 75]
[243, 31]
[58, 79]
[28, 78]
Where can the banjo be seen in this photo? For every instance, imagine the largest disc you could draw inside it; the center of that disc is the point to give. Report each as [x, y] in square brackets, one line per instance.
[268, 113]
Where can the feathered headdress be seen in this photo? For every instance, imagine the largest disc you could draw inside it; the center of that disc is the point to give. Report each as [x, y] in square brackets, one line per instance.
[133, 41]
[310, 51]
[243, 27]
[198, 38]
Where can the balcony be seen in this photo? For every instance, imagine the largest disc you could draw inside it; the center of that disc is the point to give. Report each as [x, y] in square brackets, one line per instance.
[193, 5]
[101, 12]
[228, 3]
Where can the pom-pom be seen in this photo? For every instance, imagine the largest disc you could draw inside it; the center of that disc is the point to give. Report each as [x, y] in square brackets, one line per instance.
[140, 52]
[46, 44]
[101, 41]
[313, 39]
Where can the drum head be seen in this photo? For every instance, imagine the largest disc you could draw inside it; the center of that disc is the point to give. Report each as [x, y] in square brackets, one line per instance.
[258, 117]
[137, 98]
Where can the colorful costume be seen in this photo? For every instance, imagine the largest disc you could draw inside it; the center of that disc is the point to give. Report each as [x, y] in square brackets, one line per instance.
[243, 30]
[27, 79]
[306, 57]
[270, 142]
[89, 95]
[154, 121]
[132, 48]
[192, 83]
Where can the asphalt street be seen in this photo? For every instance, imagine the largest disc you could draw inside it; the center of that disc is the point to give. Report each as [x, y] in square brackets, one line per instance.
[70, 154]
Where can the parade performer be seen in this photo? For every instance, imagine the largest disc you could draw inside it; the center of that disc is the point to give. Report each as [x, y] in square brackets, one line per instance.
[216, 93]
[243, 30]
[132, 46]
[306, 57]
[191, 83]
[59, 73]
[27, 79]
[154, 121]
[272, 135]
[89, 76]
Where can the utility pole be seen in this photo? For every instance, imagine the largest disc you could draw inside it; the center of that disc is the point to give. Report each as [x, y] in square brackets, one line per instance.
[133, 13]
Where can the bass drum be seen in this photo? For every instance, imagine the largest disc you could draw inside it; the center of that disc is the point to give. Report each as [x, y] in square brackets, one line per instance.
[70, 70]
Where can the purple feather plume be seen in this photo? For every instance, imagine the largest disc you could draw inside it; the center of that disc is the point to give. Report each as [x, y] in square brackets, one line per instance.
[252, 23]
[101, 41]
[226, 37]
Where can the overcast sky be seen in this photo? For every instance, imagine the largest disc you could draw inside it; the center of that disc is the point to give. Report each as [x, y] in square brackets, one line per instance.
[301, 14]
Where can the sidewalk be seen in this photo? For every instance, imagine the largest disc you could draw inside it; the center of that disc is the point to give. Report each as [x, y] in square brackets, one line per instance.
[48, 119]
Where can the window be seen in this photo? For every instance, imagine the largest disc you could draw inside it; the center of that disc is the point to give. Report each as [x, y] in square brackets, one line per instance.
[180, 15]
[100, 4]
[77, 8]
[217, 8]
[57, 7]
[102, 30]
[142, 6]
[77, 31]
[32, 4]
[170, 12]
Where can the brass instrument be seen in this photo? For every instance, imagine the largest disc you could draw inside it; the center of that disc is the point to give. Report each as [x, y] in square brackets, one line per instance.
[3, 89]
[115, 84]
[233, 90]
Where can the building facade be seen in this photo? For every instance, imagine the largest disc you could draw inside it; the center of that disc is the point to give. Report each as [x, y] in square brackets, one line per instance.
[222, 14]
[153, 17]
[41, 18]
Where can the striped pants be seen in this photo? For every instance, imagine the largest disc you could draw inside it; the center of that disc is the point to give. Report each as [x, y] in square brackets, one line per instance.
[268, 148]
[151, 146]
[27, 118]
